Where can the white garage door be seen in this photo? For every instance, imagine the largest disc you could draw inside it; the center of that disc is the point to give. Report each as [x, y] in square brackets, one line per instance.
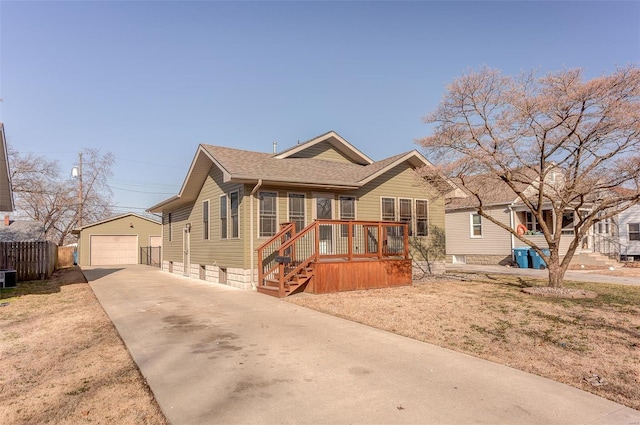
[107, 250]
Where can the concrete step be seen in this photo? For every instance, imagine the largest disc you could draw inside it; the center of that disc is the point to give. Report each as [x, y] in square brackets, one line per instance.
[594, 259]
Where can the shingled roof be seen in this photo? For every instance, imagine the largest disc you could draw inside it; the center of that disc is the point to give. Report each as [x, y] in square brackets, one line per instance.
[491, 189]
[283, 169]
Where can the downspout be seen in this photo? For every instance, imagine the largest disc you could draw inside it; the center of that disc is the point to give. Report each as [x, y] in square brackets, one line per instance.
[253, 192]
[511, 223]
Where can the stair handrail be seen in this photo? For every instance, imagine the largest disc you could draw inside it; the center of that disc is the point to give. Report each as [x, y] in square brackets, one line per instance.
[614, 241]
[285, 228]
[291, 244]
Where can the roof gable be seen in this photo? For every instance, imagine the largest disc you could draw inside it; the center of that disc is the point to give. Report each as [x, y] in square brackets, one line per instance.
[322, 146]
[114, 218]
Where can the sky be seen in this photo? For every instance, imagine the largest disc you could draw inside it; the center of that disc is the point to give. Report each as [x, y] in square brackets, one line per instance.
[150, 80]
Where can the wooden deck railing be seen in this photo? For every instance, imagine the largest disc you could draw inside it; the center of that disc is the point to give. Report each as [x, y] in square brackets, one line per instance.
[284, 255]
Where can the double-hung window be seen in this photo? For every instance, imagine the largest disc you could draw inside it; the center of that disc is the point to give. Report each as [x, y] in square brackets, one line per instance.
[268, 213]
[476, 226]
[422, 218]
[234, 200]
[405, 213]
[634, 231]
[169, 224]
[205, 220]
[223, 217]
[347, 212]
[296, 210]
[388, 209]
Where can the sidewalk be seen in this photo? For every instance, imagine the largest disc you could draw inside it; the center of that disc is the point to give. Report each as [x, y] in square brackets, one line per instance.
[577, 275]
[216, 355]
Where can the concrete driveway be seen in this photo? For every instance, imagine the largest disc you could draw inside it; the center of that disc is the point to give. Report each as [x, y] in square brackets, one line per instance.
[216, 355]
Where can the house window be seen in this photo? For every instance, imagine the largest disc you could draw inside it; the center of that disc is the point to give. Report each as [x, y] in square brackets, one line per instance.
[388, 207]
[405, 213]
[170, 222]
[567, 223]
[347, 212]
[634, 231]
[296, 210]
[205, 220]
[476, 226]
[235, 227]
[422, 218]
[531, 222]
[223, 217]
[268, 218]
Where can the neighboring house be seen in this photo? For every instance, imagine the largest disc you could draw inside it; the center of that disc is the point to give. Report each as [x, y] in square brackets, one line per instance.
[233, 201]
[472, 239]
[6, 193]
[21, 231]
[118, 240]
[629, 232]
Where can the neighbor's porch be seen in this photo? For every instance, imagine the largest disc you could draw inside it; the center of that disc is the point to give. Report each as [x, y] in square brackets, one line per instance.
[333, 256]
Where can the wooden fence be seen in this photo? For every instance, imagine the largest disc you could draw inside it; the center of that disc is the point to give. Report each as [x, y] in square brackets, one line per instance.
[65, 256]
[30, 260]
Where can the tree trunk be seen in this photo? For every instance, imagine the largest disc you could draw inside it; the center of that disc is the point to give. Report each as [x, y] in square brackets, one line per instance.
[556, 275]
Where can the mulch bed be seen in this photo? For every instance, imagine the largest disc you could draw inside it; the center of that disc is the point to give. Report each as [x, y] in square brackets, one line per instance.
[547, 291]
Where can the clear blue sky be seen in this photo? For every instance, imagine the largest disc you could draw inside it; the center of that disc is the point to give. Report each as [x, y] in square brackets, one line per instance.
[148, 81]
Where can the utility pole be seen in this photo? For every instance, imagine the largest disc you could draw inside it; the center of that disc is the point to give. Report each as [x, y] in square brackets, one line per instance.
[80, 189]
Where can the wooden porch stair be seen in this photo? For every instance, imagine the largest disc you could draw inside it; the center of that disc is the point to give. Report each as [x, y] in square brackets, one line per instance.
[272, 286]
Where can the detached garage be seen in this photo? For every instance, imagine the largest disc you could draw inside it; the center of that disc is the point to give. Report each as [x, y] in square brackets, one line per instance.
[116, 241]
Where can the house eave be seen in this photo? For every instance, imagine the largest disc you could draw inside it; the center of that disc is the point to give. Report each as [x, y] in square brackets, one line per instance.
[285, 183]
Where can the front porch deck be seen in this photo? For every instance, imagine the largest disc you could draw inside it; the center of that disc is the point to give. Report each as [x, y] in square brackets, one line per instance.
[334, 255]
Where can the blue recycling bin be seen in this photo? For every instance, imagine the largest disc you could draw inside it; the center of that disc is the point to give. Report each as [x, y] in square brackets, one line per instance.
[521, 255]
[75, 258]
[536, 260]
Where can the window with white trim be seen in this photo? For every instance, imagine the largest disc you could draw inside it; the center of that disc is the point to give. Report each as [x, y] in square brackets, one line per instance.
[634, 231]
[268, 214]
[296, 210]
[531, 222]
[422, 217]
[476, 226]
[170, 222]
[223, 217]
[347, 212]
[388, 209]
[234, 202]
[405, 213]
[205, 220]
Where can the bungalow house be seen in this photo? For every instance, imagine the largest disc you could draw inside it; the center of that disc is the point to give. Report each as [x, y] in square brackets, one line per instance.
[472, 239]
[234, 203]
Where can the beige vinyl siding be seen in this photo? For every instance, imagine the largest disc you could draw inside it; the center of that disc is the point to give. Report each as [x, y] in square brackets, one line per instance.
[172, 250]
[122, 226]
[222, 252]
[494, 240]
[565, 241]
[323, 150]
[400, 182]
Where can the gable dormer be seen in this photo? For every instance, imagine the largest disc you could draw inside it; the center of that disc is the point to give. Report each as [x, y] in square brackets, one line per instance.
[329, 147]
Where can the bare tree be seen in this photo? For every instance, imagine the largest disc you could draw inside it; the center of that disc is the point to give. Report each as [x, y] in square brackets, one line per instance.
[522, 131]
[44, 195]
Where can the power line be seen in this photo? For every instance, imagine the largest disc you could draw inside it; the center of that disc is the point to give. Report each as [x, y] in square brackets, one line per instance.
[142, 191]
[148, 163]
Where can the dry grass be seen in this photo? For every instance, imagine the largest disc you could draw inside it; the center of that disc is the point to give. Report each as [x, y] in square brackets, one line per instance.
[62, 361]
[592, 344]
